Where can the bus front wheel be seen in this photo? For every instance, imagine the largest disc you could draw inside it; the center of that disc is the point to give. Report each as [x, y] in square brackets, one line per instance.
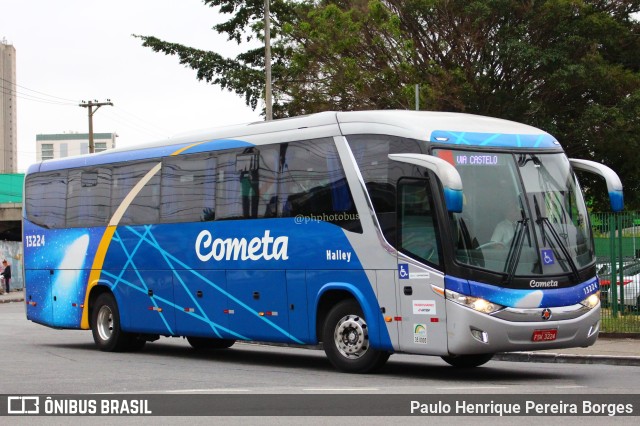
[346, 340]
[105, 326]
[467, 361]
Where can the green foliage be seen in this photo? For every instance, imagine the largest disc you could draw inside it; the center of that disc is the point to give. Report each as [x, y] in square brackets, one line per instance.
[570, 67]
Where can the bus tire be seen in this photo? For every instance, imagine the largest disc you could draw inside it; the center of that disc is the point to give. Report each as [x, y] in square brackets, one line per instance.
[202, 343]
[345, 338]
[467, 361]
[105, 325]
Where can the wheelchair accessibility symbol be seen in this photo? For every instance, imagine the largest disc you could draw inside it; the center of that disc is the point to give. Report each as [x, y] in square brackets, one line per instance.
[547, 257]
[403, 271]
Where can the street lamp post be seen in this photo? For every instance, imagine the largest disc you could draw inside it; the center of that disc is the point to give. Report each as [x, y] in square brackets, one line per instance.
[267, 62]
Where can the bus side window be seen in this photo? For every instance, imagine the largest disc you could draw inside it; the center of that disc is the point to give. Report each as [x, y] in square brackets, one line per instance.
[89, 197]
[418, 235]
[313, 184]
[188, 188]
[145, 207]
[46, 199]
[246, 186]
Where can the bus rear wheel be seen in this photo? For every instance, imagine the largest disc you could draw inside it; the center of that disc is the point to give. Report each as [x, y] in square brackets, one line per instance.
[201, 343]
[105, 326]
[345, 338]
[467, 361]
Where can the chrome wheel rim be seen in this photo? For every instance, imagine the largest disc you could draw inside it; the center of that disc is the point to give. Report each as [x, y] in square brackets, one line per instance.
[104, 323]
[351, 336]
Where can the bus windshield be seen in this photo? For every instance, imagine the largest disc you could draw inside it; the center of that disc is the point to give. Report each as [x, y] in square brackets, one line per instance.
[523, 214]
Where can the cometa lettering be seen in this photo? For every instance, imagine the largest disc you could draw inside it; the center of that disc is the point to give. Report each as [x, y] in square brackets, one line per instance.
[550, 283]
[267, 247]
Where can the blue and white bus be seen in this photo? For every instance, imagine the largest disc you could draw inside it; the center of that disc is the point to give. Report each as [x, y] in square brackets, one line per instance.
[369, 232]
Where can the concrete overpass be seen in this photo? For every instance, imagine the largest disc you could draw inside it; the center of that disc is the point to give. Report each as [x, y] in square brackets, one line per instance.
[11, 221]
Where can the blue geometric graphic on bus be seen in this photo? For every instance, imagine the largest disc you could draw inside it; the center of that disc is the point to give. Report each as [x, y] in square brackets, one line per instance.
[543, 140]
[540, 297]
[547, 256]
[199, 279]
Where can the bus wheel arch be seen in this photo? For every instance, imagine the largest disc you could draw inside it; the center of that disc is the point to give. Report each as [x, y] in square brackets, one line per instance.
[344, 332]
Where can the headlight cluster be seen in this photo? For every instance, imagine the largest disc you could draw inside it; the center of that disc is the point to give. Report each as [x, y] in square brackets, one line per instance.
[474, 303]
[591, 301]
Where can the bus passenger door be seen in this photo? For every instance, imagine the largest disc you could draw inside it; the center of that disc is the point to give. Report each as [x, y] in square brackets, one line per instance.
[423, 324]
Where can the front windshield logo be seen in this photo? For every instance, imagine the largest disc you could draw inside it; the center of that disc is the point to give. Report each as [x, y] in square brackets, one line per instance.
[543, 284]
[547, 257]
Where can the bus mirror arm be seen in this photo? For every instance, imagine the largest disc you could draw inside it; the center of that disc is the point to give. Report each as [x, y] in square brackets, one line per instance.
[446, 173]
[614, 185]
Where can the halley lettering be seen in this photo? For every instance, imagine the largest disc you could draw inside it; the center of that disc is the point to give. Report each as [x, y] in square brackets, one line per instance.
[267, 248]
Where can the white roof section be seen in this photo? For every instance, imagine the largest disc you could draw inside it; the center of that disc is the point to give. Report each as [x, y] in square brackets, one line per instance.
[403, 123]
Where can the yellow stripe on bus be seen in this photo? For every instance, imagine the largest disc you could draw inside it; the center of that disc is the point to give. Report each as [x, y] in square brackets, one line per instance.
[105, 242]
[96, 270]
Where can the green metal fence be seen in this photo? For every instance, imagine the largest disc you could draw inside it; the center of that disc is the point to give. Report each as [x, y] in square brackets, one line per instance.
[617, 243]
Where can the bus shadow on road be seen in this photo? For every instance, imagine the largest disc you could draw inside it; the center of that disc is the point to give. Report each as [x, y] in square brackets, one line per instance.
[309, 359]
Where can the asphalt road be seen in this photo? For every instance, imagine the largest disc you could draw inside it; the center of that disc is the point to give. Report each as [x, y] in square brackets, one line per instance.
[40, 360]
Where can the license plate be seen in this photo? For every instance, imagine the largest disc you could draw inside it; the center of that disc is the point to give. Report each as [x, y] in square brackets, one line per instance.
[544, 335]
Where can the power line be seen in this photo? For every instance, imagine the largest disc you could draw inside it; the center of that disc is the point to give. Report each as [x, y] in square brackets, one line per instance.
[137, 125]
[152, 125]
[67, 101]
[28, 97]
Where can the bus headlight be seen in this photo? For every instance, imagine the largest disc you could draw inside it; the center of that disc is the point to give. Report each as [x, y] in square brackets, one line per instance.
[591, 301]
[474, 303]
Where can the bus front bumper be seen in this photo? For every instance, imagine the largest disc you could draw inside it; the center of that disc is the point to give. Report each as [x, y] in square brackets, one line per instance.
[472, 332]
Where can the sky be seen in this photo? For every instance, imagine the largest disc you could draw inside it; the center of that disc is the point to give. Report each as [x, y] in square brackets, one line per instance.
[68, 51]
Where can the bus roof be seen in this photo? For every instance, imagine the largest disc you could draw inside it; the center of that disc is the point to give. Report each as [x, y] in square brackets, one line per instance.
[439, 127]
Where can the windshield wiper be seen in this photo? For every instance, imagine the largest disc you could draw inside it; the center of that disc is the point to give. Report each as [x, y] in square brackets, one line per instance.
[515, 249]
[542, 221]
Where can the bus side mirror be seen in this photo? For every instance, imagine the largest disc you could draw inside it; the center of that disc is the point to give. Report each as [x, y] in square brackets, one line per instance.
[614, 185]
[445, 172]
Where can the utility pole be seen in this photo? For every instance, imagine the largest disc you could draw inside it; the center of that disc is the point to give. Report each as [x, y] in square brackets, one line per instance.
[267, 62]
[89, 105]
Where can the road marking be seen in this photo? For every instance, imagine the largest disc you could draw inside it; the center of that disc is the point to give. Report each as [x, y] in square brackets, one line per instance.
[472, 387]
[206, 390]
[340, 389]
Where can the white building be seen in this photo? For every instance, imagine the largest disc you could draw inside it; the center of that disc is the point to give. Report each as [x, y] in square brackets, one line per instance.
[69, 144]
[8, 109]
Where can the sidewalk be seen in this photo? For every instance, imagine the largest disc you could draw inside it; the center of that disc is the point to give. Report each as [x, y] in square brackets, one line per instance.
[14, 296]
[608, 349]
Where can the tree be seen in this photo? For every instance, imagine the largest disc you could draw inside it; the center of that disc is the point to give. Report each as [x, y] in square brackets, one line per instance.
[570, 67]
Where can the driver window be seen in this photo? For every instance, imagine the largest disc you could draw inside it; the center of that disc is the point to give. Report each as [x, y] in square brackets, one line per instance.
[418, 236]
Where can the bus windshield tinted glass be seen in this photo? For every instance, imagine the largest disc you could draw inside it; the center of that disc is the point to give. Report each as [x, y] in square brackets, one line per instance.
[522, 214]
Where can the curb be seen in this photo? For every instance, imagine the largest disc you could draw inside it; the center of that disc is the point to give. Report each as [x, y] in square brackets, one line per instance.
[553, 358]
[9, 299]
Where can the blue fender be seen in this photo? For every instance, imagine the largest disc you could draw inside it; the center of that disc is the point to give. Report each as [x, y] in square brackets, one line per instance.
[378, 336]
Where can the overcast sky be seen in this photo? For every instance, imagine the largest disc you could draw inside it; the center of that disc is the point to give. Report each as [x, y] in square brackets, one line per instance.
[73, 50]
